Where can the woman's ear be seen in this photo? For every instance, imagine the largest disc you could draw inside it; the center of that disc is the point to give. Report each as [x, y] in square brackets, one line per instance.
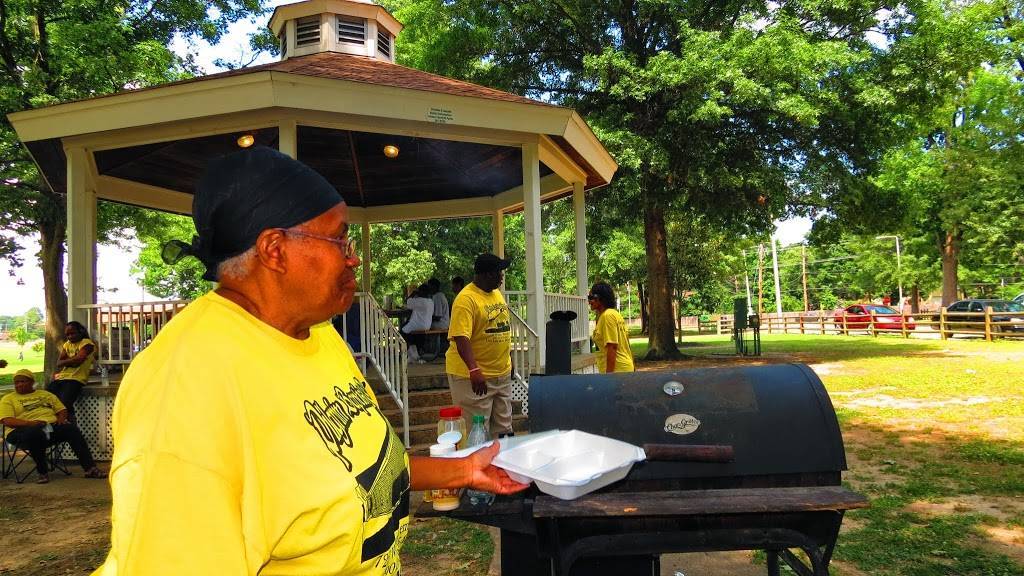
[270, 250]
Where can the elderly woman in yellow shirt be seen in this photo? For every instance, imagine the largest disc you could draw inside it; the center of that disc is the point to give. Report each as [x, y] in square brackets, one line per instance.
[610, 334]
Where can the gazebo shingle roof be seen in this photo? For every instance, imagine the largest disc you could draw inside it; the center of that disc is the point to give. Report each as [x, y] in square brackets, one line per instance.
[338, 66]
[363, 69]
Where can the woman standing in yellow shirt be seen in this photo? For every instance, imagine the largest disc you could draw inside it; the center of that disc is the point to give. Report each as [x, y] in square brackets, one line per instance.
[610, 334]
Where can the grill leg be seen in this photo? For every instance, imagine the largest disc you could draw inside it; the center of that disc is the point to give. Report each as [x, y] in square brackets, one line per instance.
[773, 563]
[817, 568]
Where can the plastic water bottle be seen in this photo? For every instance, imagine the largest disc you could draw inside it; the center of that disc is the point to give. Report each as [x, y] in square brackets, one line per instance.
[478, 436]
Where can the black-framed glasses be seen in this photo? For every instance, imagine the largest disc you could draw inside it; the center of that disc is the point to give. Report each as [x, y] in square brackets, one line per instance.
[348, 245]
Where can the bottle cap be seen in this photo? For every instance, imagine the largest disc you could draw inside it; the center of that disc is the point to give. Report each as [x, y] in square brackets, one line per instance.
[479, 418]
[450, 437]
[451, 412]
[441, 449]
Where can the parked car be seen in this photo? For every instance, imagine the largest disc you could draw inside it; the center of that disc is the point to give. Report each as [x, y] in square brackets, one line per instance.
[1019, 298]
[968, 315]
[858, 317]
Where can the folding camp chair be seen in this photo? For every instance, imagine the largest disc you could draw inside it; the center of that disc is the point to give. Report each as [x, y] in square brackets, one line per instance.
[12, 457]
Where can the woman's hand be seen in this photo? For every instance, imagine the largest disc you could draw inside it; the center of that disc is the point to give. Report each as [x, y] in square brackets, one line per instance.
[487, 477]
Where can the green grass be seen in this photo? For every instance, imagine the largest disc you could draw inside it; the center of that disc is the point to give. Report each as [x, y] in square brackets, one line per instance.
[9, 351]
[926, 421]
[934, 433]
[443, 546]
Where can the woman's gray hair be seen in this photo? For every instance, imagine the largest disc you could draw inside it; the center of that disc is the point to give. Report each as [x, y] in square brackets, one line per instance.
[237, 267]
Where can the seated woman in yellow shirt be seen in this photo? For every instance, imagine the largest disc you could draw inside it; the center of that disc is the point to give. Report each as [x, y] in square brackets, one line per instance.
[610, 334]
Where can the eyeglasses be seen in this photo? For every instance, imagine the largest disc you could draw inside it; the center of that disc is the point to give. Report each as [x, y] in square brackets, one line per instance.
[347, 245]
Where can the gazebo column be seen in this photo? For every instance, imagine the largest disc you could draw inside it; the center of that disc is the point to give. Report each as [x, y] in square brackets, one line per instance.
[288, 138]
[365, 267]
[534, 254]
[81, 235]
[579, 209]
[498, 233]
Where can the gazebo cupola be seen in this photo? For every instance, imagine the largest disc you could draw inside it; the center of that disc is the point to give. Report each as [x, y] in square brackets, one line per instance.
[357, 27]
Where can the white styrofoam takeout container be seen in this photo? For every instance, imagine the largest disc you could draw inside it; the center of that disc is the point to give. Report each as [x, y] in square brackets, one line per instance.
[568, 464]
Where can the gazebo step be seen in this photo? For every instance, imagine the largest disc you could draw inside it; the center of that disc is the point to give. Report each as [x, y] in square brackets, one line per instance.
[417, 399]
[416, 382]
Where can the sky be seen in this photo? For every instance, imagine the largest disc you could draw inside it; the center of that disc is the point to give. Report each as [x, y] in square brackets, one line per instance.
[23, 286]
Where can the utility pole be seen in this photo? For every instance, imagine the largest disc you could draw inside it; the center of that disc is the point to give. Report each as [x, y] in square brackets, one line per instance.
[803, 259]
[760, 278]
[746, 282]
[778, 288]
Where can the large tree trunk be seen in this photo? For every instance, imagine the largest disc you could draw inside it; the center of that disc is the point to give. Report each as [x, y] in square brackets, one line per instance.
[915, 299]
[950, 263]
[662, 345]
[51, 260]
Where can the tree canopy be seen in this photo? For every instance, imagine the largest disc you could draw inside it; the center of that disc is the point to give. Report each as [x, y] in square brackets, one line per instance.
[54, 51]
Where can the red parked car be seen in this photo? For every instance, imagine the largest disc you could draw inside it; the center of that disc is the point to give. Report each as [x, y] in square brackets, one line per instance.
[858, 317]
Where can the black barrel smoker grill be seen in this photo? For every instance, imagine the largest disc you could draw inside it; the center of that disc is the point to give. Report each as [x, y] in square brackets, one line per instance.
[779, 491]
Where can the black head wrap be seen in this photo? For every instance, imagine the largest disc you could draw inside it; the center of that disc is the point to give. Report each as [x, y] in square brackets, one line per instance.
[245, 193]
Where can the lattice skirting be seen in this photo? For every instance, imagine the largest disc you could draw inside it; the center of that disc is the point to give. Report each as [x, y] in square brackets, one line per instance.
[521, 390]
[93, 414]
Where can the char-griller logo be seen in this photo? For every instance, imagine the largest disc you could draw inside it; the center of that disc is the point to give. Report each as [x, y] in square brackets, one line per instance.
[332, 418]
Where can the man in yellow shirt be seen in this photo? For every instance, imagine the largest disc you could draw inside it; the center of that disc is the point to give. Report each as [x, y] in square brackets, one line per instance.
[36, 419]
[246, 440]
[77, 354]
[479, 365]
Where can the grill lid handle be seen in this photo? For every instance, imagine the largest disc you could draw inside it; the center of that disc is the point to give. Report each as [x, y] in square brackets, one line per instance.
[689, 452]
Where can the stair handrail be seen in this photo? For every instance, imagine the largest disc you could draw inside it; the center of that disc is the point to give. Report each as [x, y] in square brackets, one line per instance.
[383, 346]
[524, 341]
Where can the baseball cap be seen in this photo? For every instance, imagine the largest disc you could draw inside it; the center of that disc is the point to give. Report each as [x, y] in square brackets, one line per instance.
[26, 373]
[489, 263]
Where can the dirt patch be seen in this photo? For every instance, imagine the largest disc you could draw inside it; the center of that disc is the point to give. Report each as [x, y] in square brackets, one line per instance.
[847, 393]
[886, 401]
[1001, 508]
[58, 528]
[1008, 541]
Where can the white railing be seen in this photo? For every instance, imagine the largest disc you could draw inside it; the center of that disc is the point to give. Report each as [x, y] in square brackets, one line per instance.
[518, 302]
[524, 345]
[382, 346]
[123, 330]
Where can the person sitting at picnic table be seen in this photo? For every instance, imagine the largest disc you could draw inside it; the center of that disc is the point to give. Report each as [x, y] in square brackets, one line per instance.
[77, 354]
[35, 420]
[610, 333]
[442, 313]
[422, 308]
[458, 283]
[246, 439]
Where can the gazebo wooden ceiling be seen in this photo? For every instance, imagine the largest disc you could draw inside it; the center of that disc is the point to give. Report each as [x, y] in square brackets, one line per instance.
[426, 169]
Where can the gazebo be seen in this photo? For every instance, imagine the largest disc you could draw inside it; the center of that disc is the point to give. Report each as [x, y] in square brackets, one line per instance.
[399, 144]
